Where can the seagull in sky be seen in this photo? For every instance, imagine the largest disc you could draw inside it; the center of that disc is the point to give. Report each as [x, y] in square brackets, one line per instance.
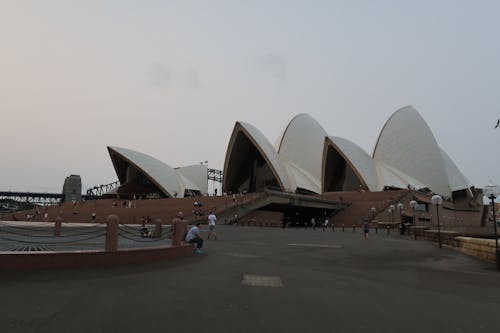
[498, 123]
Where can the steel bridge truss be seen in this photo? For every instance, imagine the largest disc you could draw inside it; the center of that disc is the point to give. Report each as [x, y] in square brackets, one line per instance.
[41, 199]
[215, 175]
[98, 191]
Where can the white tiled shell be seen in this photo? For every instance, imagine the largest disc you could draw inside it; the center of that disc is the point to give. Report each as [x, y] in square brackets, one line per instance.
[389, 176]
[456, 179]
[359, 160]
[266, 149]
[195, 175]
[302, 178]
[158, 172]
[406, 143]
[302, 145]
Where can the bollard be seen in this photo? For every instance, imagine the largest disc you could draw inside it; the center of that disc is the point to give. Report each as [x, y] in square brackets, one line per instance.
[57, 227]
[111, 243]
[388, 230]
[333, 227]
[179, 227]
[376, 228]
[342, 227]
[353, 228]
[157, 233]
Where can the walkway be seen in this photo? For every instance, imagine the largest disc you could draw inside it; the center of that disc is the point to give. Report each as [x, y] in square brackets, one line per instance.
[267, 280]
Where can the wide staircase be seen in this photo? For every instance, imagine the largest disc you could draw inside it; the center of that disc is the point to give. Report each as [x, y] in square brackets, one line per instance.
[361, 204]
[131, 211]
[227, 208]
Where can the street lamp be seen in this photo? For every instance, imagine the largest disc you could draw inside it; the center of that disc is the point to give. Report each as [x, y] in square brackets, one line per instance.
[391, 210]
[401, 229]
[437, 201]
[492, 197]
[373, 210]
[491, 193]
[413, 205]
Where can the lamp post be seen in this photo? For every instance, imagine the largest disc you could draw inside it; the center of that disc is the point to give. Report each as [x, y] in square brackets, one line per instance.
[492, 192]
[492, 197]
[401, 227]
[413, 205]
[437, 201]
[391, 210]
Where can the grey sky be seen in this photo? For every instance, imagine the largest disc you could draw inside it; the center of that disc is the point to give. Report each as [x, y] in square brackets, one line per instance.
[170, 78]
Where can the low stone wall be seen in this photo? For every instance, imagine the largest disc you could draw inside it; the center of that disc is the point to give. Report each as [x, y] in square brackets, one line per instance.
[11, 261]
[481, 248]
[478, 247]
[447, 237]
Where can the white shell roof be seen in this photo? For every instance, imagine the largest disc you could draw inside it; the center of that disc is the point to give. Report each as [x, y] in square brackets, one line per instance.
[302, 145]
[359, 160]
[186, 184]
[389, 176]
[161, 174]
[302, 178]
[406, 143]
[194, 177]
[456, 179]
[406, 153]
[268, 153]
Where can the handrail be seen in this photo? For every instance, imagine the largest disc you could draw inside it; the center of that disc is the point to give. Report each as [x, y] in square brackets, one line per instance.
[386, 205]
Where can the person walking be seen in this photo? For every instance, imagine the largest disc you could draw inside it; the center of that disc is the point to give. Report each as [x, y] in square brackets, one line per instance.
[193, 236]
[313, 223]
[366, 229]
[211, 225]
[325, 223]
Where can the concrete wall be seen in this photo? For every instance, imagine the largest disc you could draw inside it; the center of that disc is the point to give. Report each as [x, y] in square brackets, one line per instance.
[10, 261]
[481, 248]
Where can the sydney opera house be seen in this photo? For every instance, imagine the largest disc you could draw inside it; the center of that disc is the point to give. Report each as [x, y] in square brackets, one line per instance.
[307, 160]
[144, 176]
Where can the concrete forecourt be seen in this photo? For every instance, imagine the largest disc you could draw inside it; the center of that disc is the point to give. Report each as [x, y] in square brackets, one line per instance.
[266, 280]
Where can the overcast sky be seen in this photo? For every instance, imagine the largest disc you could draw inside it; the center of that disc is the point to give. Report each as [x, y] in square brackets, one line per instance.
[170, 78]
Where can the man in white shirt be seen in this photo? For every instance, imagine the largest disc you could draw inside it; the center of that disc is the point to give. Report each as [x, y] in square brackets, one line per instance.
[325, 223]
[211, 225]
[193, 236]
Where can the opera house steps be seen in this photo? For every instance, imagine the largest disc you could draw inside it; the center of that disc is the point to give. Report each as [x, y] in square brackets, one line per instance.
[164, 209]
[361, 204]
[266, 209]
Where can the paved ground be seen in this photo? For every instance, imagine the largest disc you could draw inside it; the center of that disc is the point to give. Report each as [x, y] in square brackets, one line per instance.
[267, 280]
